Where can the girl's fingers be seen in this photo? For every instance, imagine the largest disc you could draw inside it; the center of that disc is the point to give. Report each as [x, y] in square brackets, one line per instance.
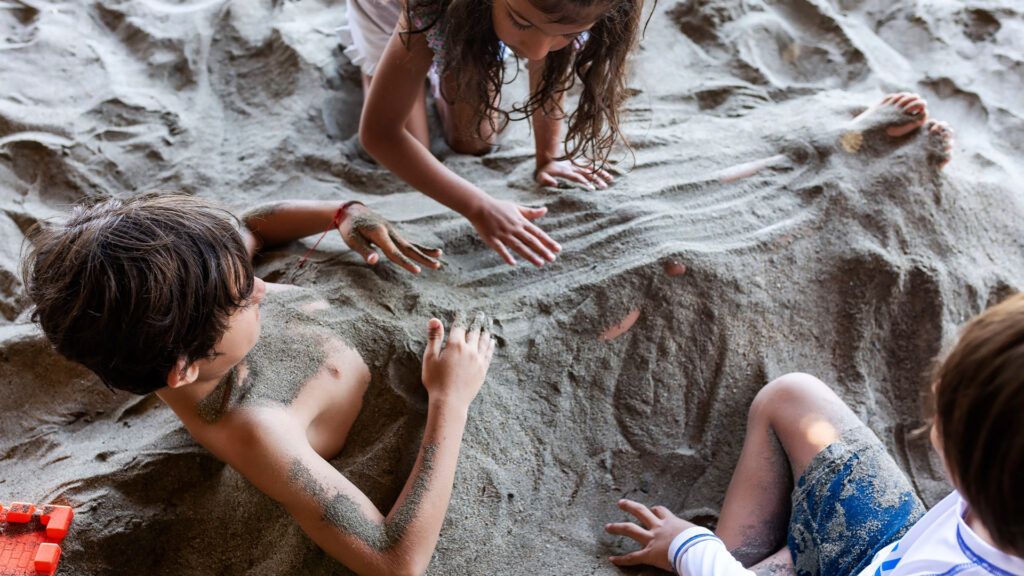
[545, 179]
[535, 244]
[519, 248]
[543, 237]
[532, 213]
[630, 530]
[639, 511]
[500, 248]
[582, 179]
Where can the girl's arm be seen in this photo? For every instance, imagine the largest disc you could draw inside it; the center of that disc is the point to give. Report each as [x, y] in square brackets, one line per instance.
[547, 137]
[277, 223]
[504, 226]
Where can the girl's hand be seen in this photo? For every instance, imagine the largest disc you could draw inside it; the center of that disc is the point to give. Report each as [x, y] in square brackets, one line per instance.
[456, 371]
[549, 174]
[503, 225]
[363, 228]
[660, 527]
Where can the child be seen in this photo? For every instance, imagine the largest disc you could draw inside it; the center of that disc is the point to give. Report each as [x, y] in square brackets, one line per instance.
[852, 511]
[157, 293]
[464, 41]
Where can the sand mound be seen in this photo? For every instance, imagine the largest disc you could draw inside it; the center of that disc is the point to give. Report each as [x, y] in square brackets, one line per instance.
[854, 266]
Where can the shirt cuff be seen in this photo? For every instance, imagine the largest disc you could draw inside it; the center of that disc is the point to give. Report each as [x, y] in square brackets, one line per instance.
[684, 541]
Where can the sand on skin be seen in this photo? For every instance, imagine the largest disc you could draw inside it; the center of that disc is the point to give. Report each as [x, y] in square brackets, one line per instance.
[856, 267]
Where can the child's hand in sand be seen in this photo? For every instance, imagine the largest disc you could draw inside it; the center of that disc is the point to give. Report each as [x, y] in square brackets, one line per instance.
[456, 371]
[503, 226]
[363, 228]
[659, 528]
[549, 175]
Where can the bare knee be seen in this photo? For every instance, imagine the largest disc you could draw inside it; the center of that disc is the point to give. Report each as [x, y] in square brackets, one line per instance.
[785, 392]
[470, 146]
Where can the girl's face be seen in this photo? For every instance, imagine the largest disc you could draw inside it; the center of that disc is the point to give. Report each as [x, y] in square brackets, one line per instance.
[531, 34]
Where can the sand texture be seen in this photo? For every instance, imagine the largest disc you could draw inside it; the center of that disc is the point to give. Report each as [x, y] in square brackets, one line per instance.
[854, 266]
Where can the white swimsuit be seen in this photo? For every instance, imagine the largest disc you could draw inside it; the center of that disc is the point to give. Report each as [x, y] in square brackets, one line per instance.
[367, 30]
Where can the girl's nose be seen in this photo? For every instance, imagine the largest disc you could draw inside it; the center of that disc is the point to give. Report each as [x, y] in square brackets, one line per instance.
[537, 46]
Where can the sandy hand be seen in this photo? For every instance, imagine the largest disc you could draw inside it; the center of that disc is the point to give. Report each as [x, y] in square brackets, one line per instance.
[503, 225]
[362, 229]
[454, 372]
[658, 527]
[549, 175]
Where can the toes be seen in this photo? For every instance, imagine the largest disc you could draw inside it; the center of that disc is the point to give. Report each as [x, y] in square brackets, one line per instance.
[942, 138]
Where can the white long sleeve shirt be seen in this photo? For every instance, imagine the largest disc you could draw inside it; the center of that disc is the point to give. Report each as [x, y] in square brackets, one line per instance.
[939, 543]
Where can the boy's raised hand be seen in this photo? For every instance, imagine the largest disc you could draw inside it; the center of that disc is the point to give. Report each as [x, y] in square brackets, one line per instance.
[658, 527]
[454, 372]
[362, 229]
[505, 226]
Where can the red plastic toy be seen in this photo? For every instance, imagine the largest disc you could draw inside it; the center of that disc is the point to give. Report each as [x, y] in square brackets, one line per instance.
[29, 538]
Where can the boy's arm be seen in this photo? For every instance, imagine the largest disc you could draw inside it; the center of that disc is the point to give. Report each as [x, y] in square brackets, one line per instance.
[547, 138]
[334, 512]
[278, 223]
[505, 227]
[673, 544]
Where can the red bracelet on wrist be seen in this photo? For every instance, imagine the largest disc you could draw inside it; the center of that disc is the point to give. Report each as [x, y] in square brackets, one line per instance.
[339, 215]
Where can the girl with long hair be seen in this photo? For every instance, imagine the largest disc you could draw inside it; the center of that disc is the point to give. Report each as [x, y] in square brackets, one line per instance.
[462, 45]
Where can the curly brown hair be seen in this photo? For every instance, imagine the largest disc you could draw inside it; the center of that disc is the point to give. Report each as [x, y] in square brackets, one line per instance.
[129, 287]
[473, 62]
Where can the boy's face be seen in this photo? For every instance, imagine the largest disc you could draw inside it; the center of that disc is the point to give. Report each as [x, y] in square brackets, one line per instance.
[242, 332]
[529, 32]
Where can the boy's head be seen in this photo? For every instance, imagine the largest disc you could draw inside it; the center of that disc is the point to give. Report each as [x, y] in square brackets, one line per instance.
[138, 289]
[979, 419]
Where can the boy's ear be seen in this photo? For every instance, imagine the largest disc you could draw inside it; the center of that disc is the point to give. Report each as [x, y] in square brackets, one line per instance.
[180, 374]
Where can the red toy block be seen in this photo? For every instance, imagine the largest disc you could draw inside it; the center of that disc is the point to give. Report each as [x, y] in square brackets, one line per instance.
[57, 520]
[20, 512]
[47, 557]
[29, 538]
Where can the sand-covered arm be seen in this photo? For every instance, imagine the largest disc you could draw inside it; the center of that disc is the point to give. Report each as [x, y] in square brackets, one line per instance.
[339, 517]
[277, 223]
[279, 460]
[502, 225]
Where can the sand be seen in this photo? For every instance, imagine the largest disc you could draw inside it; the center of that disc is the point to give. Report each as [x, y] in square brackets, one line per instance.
[745, 242]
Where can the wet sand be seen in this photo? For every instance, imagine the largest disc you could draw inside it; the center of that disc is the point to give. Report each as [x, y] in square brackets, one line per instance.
[745, 242]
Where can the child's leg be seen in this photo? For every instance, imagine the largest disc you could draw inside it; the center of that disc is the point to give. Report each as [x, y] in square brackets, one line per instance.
[461, 131]
[792, 422]
[416, 124]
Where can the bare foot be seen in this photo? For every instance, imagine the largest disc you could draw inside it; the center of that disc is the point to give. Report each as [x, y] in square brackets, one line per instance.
[940, 143]
[896, 115]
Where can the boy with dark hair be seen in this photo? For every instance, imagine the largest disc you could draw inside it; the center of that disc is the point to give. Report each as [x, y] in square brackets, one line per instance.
[852, 511]
[157, 293]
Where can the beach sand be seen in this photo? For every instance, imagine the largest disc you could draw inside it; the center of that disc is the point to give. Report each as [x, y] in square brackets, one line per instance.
[625, 368]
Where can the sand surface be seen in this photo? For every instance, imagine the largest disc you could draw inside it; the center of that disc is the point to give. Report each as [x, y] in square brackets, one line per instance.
[856, 267]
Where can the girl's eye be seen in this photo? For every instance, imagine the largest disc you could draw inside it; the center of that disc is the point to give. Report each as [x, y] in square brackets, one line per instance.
[517, 23]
